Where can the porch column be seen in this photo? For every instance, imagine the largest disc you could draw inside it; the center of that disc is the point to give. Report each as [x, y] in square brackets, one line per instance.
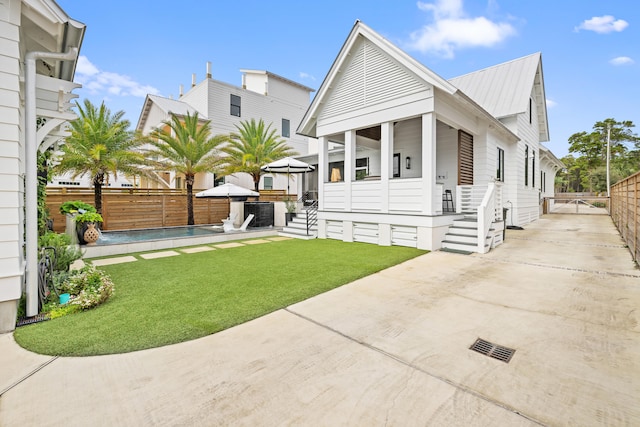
[386, 150]
[349, 166]
[323, 169]
[428, 163]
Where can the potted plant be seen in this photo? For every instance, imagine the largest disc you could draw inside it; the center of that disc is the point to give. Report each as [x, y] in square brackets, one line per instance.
[72, 207]
[87, 226]
[290, 205]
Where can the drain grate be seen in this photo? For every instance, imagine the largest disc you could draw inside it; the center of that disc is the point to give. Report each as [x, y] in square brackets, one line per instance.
[35, 319]
[495, 351]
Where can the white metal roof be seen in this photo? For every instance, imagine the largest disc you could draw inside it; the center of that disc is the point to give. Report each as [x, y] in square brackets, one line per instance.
[504, 89]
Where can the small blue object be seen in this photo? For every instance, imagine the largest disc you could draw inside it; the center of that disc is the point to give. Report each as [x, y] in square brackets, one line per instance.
[64, 298]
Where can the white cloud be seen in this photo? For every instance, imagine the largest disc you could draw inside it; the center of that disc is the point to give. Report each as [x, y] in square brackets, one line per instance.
[603, 24]
[452, 29]
[621, 60]
[551, 103]
[304, 75]
[98, 82]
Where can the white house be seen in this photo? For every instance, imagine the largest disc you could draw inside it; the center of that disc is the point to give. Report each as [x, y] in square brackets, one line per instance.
[263, 95]
[395, 140]
[38, 50]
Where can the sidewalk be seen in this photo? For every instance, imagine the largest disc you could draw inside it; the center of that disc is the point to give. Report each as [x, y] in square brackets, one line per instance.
[389, 349]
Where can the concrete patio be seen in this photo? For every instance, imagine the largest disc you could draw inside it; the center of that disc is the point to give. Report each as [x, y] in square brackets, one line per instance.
[389, 349]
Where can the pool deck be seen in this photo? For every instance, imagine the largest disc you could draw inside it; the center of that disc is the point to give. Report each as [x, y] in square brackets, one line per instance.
[97, 251]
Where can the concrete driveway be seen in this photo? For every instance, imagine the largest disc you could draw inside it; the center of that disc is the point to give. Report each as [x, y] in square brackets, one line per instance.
[389, 349]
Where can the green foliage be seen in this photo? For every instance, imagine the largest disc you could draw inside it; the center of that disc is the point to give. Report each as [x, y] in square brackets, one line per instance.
[170, 300]
[290, 205]
[66, 253]
[253, 145]
[88, 287]
[588, 171]
[186, 146]
[75, 206]
[100, 144]
[63, 310]
[43, 178]
[88, 217]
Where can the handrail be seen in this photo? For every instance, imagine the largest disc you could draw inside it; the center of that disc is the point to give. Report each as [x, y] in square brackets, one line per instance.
[312, 215]
[486, 215]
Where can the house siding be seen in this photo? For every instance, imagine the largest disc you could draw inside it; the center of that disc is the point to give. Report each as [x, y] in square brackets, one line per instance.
[11, 151]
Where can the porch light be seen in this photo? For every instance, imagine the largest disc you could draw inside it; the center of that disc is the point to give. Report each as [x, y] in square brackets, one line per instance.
[408, 162]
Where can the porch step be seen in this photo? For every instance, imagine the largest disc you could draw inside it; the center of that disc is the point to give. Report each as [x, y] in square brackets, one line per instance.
[460, 246]
[456, 251]
[297, 228]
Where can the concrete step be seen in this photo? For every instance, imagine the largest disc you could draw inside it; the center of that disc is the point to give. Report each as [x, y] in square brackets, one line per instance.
[461, 246]
[466, 231]
[297, 236]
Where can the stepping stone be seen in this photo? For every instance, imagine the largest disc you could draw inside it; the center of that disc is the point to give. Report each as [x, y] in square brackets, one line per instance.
[229, 245]
[196, 250]
[162, 254]
[110, 261]
[279, 238]
[78, 264]
[256, 242]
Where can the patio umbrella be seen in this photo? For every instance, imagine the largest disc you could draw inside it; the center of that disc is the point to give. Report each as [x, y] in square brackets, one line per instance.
[288, 165]
[227, 190]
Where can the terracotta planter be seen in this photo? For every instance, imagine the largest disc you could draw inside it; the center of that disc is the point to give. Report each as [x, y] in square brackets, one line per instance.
[92, 235]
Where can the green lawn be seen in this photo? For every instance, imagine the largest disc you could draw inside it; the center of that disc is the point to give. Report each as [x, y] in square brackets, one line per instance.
[169, 300]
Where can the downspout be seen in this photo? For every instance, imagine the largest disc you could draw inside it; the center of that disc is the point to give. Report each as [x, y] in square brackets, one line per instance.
[31, 172]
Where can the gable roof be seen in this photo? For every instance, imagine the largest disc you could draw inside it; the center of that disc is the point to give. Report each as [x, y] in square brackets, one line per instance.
[504, 89]
[167, 105]
[308, 124]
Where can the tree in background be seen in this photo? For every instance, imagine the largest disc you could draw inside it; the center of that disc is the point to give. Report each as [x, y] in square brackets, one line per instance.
[185, 145]
[252, 147]
[592, 150]
[100, 144]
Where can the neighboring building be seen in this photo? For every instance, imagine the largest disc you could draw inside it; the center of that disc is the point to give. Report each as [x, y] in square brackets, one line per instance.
[38, 49]
[274, 99]
[395, 140]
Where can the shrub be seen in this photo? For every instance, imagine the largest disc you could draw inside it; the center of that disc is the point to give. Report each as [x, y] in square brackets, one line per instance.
[66, 253]
[88, 217]
[89, 287]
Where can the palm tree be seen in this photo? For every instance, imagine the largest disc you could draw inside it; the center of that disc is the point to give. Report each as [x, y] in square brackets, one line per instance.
[252, 147]
[185, 145]
[100, 144]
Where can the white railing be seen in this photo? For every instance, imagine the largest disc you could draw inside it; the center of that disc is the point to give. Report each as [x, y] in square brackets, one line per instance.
[486, 215]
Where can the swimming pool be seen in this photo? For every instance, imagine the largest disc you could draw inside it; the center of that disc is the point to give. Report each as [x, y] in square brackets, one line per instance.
[149, 234]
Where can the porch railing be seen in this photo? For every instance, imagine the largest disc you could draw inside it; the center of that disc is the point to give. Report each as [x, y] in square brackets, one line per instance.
[486, 215]
[310, 205]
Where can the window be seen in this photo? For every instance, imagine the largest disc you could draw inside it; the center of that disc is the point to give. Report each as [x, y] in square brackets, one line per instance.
[235, 105]
[396, 165]
[362, 168]
[543, 184]
[533, 169]
[286, 132]
[218, 180]
[268, 183]
[500, 168]
[336, 170]
[178, 183]
[530, 110]
[526, 165]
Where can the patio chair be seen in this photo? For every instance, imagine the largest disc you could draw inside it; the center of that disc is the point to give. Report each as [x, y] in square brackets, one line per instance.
[228, 225]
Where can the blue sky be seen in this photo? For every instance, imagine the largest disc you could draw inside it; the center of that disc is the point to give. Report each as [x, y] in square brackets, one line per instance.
[590, 48]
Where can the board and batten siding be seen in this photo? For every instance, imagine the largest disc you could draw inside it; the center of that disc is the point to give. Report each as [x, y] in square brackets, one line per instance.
[11, 152]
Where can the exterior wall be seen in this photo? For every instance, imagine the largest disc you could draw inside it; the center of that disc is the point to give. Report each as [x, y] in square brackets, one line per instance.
[407, 138]
[11, 167]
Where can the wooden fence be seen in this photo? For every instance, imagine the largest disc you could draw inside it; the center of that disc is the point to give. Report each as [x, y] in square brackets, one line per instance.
[625, 204]
[124, 209]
